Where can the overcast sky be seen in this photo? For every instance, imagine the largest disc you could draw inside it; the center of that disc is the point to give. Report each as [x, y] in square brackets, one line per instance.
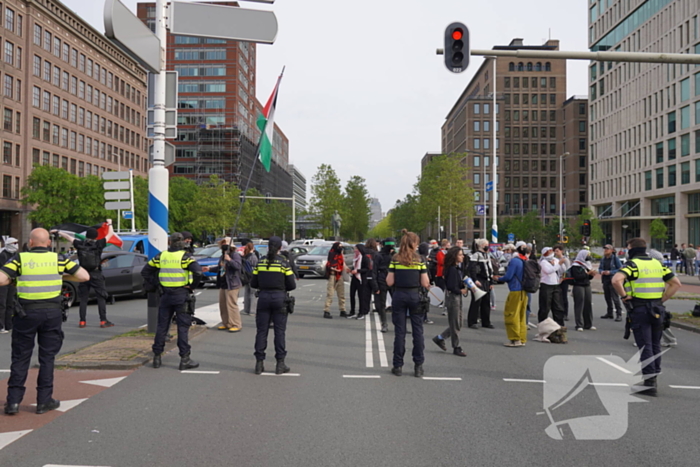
[363, 89]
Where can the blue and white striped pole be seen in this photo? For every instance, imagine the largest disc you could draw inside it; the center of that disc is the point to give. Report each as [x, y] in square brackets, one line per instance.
[158, 175]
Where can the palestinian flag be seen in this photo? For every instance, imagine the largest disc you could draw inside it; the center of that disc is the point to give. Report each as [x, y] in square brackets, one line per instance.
[79, 230]
[266, 123]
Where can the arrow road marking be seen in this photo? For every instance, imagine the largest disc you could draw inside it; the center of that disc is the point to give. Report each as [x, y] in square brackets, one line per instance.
[107, 383]
[685, 387]
[12, 436]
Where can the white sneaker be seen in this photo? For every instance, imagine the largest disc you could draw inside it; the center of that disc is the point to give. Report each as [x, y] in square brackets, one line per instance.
[4, 331]
[592, 328]
[663, 344]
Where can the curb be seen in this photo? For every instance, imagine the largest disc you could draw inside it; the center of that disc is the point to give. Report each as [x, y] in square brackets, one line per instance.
[132, 364]
[687, 327]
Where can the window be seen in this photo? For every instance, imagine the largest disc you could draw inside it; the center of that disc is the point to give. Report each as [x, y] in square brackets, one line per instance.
[10, 20]
[477, 125]
[7, 153]
[659, 152]
[663, 206]
[647, 180]
[477, 179]
[487, 125]
[487, 108]
[685, 145]
[7, 120]
[477, 108]
[9, 53]
[37, 66]
[685, 117]
[477, 143]
[672, 149]
[659, 178]
[46, 132]
[36, 128]
[552, 82]
[671, 122]
[685, 173]
[37, 35]
[685, 89]
[582, 126]
[671, 175]
[6, 186]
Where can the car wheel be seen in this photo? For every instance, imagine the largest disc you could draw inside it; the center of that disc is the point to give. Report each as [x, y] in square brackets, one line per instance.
[68, 291]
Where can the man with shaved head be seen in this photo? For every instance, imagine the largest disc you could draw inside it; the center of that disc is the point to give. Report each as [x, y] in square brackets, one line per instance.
[38, 275]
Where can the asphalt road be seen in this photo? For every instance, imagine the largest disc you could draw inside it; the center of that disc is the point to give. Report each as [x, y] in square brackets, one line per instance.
[341, 407]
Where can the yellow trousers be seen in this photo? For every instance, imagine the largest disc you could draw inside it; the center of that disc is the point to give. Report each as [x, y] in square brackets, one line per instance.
[515, 316]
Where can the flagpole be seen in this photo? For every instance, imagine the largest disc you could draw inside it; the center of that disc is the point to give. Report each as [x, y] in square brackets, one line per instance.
[252, 168]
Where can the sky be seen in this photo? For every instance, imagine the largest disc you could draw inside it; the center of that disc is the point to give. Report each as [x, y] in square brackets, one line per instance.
[363, 89]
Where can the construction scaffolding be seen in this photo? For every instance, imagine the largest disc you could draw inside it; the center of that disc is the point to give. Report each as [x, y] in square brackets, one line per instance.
[219, 151]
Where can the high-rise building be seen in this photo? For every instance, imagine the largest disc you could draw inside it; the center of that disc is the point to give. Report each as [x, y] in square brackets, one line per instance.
[529, 141]
[218, 111]
[645, 122]
[299, 184]
[70, 98]
[574, 165]
[375, 210]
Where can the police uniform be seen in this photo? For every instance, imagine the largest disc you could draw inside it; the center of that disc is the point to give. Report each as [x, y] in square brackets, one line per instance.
[177, 273]
[645, 283]
[273, 279]
[405, 304]
[38, 274]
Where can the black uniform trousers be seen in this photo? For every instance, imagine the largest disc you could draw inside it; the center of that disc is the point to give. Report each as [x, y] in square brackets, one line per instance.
[550, 299]
[480, 308]
[355, 289]
[404, 306]
[7, 305]
[380, 302]
[647, 330]
[44, 325]
[271, 308]
[172, 302]
[96, 282]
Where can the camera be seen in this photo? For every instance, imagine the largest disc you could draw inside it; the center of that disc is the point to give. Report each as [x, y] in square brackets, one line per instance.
[224, 248]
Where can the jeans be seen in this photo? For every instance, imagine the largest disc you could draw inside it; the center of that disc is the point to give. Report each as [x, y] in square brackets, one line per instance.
[612, 299]
[355, 289]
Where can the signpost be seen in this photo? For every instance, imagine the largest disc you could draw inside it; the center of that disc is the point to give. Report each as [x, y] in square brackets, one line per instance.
[192, 19]
[511, 238]
[489, 186]
[119, 194]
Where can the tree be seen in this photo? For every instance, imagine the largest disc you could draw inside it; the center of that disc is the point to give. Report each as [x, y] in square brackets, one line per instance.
[443, 184]
[405, 215]
[574, 228]
[356, 209]
[383, 229]
[658, 230]
[326, 197]
[214, 208]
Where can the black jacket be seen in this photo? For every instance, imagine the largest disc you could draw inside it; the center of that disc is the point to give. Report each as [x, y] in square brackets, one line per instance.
[580, 276]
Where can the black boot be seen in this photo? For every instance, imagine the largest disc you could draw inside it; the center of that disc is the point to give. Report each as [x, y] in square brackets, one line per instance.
[281, 367]
[259, 367]
[186, 363]
[327, 315]
[396, 370]
[157, 360]
[646, 387]
[418, 370]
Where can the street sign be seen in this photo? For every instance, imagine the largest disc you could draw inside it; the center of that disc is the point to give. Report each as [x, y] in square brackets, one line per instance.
[117, 195]
[123, 175]
[117, 205]
[222, 22]
[116, 185]
[511, 238]
[169, 154]
[128, 214]
[489, 186]
[480, 210]
[129, 32]
[171, 95]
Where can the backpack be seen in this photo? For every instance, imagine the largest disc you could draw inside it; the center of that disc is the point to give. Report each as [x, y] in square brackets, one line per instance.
[532, 273]
[89, 255]
[246, 272]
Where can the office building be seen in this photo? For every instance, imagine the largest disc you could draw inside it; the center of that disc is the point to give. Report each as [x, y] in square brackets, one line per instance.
[299, 186]
[70, 99]
[645, 122]
[375, 210]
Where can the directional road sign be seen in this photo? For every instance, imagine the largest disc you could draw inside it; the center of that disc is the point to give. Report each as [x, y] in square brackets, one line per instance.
[117, 195]
[124, 27]
[116, 185]
[489, 186]
[117, 205]
[511, 238]
[128, 214]
[123, 175]
[480, 210]
[222, 22]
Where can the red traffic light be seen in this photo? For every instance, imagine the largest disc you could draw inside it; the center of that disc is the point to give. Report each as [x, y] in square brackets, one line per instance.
[457, 34]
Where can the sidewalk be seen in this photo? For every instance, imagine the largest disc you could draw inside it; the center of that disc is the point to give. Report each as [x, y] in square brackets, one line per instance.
[123, 352]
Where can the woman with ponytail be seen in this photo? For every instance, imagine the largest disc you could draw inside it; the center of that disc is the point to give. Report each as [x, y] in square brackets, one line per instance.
[407, 274]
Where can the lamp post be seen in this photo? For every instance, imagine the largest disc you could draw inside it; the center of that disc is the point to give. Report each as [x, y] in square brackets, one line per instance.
[494, 198]
[624, 235]
[561, 195]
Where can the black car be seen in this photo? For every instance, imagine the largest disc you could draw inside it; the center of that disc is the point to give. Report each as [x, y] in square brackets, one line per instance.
[122, 271]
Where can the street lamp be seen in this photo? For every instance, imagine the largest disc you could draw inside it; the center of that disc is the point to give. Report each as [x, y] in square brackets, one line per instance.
[483, 181]
[624, 234]
[561, 195]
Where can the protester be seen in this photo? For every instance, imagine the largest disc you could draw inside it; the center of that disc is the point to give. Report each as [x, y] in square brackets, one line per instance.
[454, 289]
[480, 270]
[609, 266]
[689, 255]
[582, 272]
[335, 267]
[249, 259]
[550, 293]
[564, 265]
[7, 292]
[516, 303]
[355, 282]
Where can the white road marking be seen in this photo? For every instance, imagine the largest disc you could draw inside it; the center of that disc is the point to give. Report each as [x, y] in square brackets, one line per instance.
[283, 374]
[12, 436]
[617, 367]
[685, 387]
[62, 465]
[380, 342]
[308, 285]
[362, 376]
[610, 384]
[369, 356]
[144, 326]
[67, 405]
[194, 372]
[4, 371]
[434, 378]
[511, 380]
[210, 314]
[107, 383]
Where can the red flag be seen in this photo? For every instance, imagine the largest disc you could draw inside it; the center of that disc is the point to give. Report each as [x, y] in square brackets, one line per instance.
[114, 239]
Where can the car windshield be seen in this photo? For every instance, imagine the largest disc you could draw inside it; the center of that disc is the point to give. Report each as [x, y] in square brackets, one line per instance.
[320, 250]
[126, 246]
[210, 252]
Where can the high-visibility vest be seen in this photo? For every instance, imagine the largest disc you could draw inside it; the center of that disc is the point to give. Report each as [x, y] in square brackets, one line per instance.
[172, 274]
[40, 279]
[645, 279]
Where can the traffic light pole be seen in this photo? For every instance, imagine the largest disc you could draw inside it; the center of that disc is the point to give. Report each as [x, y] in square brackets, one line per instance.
[641, 57]
[561, 196]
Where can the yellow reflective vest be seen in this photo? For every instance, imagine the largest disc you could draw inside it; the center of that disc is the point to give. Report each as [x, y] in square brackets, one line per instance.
[40, 278]
[173, 268]
[645, 278]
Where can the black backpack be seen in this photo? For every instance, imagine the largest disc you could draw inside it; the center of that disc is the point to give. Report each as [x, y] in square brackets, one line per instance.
[89, 255]
[246, 272]
[532, 273]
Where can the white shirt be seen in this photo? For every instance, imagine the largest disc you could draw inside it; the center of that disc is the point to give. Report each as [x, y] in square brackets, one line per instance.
[550, 272]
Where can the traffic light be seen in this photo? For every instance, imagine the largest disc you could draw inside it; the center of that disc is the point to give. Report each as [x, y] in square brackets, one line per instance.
[456, 47]
[566, 239]
[586, 228]
[558, 238]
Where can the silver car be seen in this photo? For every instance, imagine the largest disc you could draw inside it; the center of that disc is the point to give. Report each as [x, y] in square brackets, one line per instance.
[314, 262]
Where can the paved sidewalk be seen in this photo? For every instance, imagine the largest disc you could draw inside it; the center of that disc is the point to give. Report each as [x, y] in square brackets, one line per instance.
[121, 352]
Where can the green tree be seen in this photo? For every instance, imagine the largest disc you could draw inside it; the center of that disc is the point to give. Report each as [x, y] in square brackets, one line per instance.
[443, 183]
[326, 197]
[183, 193]
[658, 230]
[383, 229]
[215, 207]
[574, 228]
[405, 215]
[356, 209]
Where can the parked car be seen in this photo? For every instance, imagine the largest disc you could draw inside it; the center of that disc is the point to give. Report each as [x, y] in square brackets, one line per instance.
[210, 257]
[122, 271]
[131, 243]
[314, 262]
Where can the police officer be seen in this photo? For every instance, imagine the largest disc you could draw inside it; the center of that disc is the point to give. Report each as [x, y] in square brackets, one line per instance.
[407, 274]
[178, 274]
[274, 277]
[644, 284]
[38, 275]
